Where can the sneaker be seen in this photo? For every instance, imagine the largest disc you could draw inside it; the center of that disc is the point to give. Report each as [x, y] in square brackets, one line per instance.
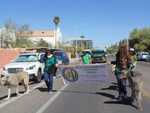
[119, 98]
[50, 92]
[125, 97]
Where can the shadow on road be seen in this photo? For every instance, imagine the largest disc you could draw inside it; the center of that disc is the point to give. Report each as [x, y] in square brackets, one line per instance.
[45, 89]
[12, 95]
[114, 83]
[124, 102]
[127, 101]
[66, 91]
[111, 87]
[106, 95]
[116, 101]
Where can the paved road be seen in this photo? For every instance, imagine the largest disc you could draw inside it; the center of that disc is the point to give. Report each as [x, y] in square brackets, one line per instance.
[145, 69]
[79, 97]
[91, 98]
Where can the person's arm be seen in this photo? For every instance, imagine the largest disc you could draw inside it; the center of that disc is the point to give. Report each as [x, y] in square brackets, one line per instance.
[56, 61]
[134, 62]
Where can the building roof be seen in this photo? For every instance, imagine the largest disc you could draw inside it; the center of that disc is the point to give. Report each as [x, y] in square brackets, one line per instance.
[38, 33]
[43, 33]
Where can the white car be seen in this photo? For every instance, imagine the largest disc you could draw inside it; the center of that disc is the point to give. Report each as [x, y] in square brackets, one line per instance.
[29, 62]
[142, 56]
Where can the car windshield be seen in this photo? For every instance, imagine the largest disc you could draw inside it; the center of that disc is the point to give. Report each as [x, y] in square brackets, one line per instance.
[145, 54]
[98, 53]
[26, 58]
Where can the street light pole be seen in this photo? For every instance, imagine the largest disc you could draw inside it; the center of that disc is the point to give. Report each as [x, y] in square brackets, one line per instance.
[55, 37]
[82, 42]
[76, 47]
[56, 21]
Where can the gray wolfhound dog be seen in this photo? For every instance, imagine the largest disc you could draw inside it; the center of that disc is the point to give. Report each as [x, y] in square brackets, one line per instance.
[13, 80]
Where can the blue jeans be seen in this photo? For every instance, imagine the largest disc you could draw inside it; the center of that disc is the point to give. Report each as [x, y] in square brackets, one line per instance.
[48, 80]
[122, 87]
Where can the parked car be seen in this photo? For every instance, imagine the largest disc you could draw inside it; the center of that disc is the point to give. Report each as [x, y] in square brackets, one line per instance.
[29, 62]
[142, 56]
[98, 56]
[56, 49]
[62, 57]
[148, 58]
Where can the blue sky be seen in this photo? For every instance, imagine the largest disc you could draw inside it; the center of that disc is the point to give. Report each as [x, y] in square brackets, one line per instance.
[103, 21]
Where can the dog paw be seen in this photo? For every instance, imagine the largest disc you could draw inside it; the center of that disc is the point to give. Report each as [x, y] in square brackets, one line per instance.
[7, 98]
[27, 92]
[18, 94]
[140, 108]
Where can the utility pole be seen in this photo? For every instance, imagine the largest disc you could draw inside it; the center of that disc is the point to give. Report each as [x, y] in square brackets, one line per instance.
[76, 46]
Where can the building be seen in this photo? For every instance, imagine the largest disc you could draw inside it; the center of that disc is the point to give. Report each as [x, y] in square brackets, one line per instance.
[83, 43]
[52, 37]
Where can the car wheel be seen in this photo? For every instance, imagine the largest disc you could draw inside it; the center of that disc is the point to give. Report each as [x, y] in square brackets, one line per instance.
[39, 76]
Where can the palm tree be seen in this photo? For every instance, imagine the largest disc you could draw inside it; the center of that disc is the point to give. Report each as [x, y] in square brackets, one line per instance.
[56, 21]
[82, 37]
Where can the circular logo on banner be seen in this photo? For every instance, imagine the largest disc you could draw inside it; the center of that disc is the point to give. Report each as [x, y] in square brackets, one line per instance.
[70, 74]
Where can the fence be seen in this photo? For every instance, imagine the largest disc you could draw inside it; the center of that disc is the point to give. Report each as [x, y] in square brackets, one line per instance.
[6, 55]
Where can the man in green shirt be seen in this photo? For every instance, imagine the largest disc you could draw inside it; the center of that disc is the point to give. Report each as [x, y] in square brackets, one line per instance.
[49, 70]
[86, 58]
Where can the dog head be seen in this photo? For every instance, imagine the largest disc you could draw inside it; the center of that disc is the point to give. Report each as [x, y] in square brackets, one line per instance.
[3, 79]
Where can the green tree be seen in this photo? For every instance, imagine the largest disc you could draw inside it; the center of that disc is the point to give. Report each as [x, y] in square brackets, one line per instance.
[56, 20]
[42, 43]
[8, 34]
[22, 37]
[112, 49]
[16, 36]
[140, 39]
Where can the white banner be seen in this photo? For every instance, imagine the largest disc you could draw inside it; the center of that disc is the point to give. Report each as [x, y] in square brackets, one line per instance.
[90, 72]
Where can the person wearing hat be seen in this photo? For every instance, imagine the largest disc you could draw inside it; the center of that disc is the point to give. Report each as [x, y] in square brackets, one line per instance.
[49, 70]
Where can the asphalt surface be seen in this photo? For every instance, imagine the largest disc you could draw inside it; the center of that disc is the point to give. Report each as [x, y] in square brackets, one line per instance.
[94, 97]
[145, 69]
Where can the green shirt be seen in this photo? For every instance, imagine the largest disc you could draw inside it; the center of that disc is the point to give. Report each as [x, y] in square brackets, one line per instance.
[50, 64]
[86, 59]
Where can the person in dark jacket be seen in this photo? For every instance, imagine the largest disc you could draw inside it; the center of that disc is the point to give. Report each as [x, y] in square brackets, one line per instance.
[49, 70]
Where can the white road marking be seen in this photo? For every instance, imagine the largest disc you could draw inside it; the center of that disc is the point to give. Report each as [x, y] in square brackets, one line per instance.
[16, 98]
[51, 100]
